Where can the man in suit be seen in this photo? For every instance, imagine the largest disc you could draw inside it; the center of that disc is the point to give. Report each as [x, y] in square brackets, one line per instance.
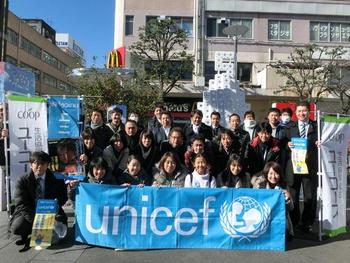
[303, 128]
[162, 133]
[154, 122]
[216, 128]
[197, 127]
[40, 183]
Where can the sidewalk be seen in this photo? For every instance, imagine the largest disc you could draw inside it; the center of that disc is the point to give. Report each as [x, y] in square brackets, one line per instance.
[305, 248]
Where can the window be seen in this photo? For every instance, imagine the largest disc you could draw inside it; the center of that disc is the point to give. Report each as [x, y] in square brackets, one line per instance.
[329, 32]
[49, 80]
[51, 60]
[184, 23]
[12, 37]
[129, 25]
[209, 71]
[63, 67]
[30, 48]
[11, 60]
[34, 70]
[174, 69]
[216, 25]
[244, 71]
[279, 30]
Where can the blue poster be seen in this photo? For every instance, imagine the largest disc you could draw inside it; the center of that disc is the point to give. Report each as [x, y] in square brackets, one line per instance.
[168, 218]
[64, 117]
[15, 79]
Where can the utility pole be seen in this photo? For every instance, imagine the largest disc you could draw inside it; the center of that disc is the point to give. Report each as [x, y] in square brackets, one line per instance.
[3, 28]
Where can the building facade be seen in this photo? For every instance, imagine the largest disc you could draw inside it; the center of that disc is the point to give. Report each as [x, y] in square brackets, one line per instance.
[275, 29]
[31, 45]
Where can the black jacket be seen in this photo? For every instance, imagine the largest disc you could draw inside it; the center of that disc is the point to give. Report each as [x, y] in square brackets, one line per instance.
[25, 195]
[203, 130]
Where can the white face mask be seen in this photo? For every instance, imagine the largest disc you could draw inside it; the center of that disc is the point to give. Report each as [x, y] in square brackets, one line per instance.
[134, 118]
[285, 119]
[249, 123]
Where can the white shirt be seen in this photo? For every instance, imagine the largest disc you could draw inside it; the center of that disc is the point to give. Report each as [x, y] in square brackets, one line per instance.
[199, 181]
[195, 128]
[166, 130]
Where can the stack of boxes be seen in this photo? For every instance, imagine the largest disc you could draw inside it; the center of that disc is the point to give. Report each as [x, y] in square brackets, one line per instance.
[224, 94]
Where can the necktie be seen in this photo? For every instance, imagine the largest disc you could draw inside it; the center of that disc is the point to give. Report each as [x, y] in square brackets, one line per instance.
[303, 130]
[39, 190]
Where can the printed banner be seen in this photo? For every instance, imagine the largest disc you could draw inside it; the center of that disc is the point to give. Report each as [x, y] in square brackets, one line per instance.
[44, 222]
[16, 80]
[168, 218]
[27, 132]
[299, 156]
[335, 134]
[64, 116]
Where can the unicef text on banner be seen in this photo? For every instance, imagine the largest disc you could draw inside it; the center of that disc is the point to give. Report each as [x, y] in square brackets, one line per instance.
[152, 218]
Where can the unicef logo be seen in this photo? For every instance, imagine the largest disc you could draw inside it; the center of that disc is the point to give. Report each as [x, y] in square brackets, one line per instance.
[245, 218]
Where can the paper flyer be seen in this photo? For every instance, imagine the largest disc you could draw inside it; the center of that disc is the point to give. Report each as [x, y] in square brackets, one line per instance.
[44, 222]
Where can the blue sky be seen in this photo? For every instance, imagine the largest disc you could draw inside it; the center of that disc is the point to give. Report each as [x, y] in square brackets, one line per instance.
[90, 22]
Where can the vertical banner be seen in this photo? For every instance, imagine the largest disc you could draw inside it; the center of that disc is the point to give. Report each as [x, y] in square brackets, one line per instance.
[64, 115]
[27, 132]
[44, 222]
[299, 156]
[335, 134]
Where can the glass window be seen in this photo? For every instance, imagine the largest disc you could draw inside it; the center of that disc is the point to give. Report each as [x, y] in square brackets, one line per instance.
[49, 80]
[324, 32]
[245, 22]
[34, 70]
[30, 48]
[345, 32]
[314, 29]
[12, 36]
[11, 60]
[211, 27]
[129, 25]
[244, 71]
[215, 26]
[329, 32]
[49, 59]
[209, 70]
[279, 30]
[335, 32]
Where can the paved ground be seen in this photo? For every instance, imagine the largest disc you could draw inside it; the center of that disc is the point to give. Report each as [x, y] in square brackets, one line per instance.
[305, 248]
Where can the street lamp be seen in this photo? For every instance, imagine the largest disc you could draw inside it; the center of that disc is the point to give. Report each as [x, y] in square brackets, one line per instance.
[235, 31]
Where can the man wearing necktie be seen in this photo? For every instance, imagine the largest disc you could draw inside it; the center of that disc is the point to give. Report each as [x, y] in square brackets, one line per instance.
[303, 128]
[40, 183]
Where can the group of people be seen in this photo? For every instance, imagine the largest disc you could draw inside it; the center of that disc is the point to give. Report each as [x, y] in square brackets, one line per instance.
[247, 154]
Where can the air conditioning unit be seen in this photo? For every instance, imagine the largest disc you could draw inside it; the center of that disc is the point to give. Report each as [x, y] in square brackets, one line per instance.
[223, 20]
[163, 17]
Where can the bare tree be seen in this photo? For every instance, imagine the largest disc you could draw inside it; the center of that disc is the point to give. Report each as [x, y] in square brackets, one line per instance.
[161, 49]
[309, 71]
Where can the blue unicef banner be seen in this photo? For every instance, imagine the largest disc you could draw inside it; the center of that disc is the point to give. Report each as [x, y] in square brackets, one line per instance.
[64, 114]
[168, 218]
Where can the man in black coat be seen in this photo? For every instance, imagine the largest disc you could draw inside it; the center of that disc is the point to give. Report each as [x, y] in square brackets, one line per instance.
[40, 183]
[303, 128]
[197, 127]
[216, 128]
[101, 131]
